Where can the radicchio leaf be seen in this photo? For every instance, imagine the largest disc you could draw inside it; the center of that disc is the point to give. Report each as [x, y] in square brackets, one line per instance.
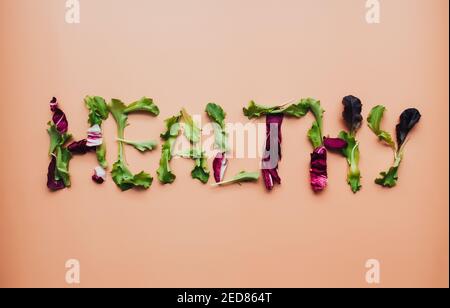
[273, 150]
[352, 112]
[408, 119]
[99, 176]
[79, 147]
[52, 183]
[59, 118]
[94, 137]
[318, 171]
[220, 164]
[334, 144]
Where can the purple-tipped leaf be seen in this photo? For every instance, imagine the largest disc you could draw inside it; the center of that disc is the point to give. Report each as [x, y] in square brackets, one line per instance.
[79, 147]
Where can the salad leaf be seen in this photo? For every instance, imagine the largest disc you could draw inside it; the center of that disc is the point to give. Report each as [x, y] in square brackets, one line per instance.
[98, 109]
[144, 104]
[60, 121]
[165, 175]
[121, 175]
[141, 146]
[220, 164]
[52, 183]
[408, 119]
[79, 147]
[101, 155]
[334, 144]
[99, 176]
[217, 114]
[318, 171]
[315, 136]
[241, 178]
[294, 110]
[273, 153]
[63, 157]
[125, 180]
[352, 112]
[374, 122]
[191, 130]
[172, 128]
[56, 138]
[200, 171]
[351, 152]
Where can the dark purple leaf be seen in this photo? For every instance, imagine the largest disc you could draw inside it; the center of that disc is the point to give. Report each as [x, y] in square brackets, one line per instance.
[52, 183]
[53, 104]
[80, 147]
[273, 150]
[408, 119]
[318, 171]
[352, 112]
[60, 120]
[334, 144]
[220, 164]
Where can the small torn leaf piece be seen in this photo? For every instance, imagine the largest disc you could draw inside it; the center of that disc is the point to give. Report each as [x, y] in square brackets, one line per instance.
[99, 176]
[334, 144]
[200, 171]
[142, 146]
[240, 178]
[220, 165]
[144, 104]
[408, 119]
[352, 112]
[94, 136]
[318, 171]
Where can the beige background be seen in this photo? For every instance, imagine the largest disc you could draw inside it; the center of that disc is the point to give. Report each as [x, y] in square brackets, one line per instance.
[187, 53]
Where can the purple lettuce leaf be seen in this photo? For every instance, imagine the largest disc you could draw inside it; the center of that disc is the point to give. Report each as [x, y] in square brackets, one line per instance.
[273, 150]
[334, 144]
[318, 171]
[60, 120]
[80, 147]
[220, 164]
[52, 183]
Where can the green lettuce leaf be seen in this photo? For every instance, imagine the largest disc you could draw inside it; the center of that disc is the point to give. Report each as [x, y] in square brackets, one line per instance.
[240, 178]
[217, 115]
[63, 157]
[374, 122]
[165, 175]
[125, 180]
[298, 110]
[56, 139]
[315, 135]
[121, 175]
[172, 127]
[141, 146]
[201, 170]
[101, 155]
[144, 104]
[389, 178]
[98, 109]
[351, 152]
[191, 130]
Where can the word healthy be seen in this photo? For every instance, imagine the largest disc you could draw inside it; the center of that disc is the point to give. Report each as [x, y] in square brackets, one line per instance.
[62, 149]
